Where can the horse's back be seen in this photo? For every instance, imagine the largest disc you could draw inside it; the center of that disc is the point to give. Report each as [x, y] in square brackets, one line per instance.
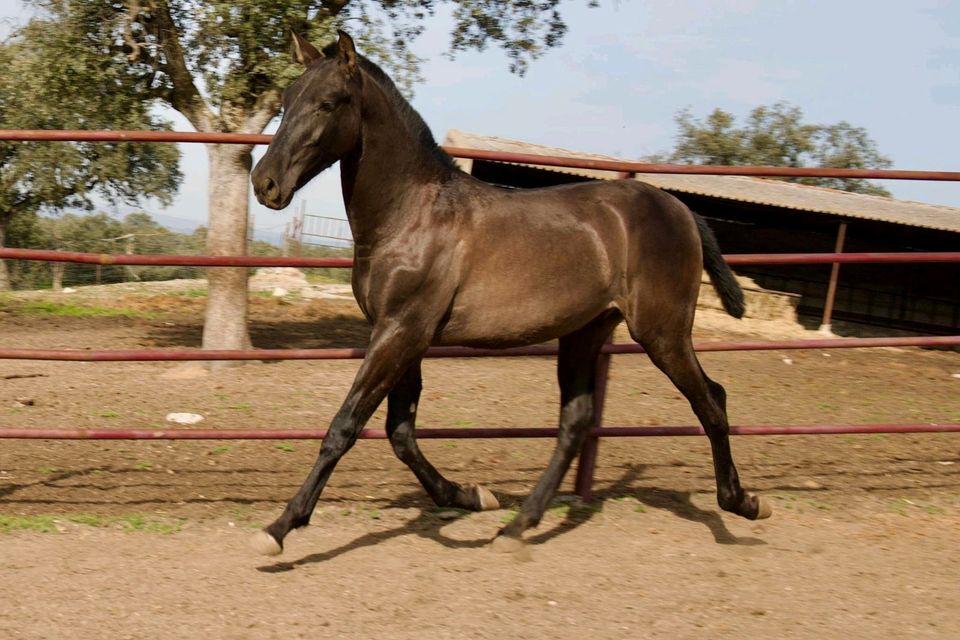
[538, 263]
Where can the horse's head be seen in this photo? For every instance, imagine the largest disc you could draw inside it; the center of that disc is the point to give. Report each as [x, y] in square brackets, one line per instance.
[320, 124]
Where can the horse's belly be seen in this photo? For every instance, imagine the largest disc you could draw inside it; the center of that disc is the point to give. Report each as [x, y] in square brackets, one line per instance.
[516, 322]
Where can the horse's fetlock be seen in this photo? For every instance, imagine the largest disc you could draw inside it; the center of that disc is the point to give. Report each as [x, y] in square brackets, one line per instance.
[730, 501]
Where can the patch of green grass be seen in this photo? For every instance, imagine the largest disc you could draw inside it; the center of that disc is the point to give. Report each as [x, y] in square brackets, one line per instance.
[109, 414]
[189, 293]
[146, 525]
[130, 522]
[285, 447]
[509, 516]
[68, 310]
[42, 524]
[905, 506]
[88, 520]
[49, 470]
[143, 466]
[219, 450]
[241, 407]
[640, 508]
[328, 276]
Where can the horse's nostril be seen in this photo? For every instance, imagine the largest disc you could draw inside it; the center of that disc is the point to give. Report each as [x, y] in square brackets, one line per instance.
[269, 188]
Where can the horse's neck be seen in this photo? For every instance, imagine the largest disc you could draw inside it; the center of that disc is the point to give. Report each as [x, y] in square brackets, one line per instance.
[381, 177]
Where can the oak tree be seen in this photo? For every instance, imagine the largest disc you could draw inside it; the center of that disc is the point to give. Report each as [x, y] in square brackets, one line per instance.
[777, 135]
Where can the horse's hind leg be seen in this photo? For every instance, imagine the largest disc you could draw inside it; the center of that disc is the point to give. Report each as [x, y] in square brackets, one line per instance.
[401, 420]
[674, 355]
[576, 373]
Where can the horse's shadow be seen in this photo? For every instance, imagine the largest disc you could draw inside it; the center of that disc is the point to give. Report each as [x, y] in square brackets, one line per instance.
[426, 524]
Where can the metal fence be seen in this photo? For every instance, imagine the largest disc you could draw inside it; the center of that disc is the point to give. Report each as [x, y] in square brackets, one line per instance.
[588, 456]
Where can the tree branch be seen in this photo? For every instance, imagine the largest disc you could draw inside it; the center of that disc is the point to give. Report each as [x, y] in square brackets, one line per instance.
[333, 7]
[264, 110]
[184, 96]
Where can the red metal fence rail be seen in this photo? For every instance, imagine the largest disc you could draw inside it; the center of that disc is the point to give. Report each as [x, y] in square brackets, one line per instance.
[499, 156]
[263, 261]
[585, 470]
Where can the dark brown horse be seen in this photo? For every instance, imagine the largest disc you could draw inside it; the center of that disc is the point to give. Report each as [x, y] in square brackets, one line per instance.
[442, 258]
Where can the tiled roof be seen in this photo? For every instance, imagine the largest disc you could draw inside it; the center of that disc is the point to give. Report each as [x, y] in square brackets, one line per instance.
[776, 193]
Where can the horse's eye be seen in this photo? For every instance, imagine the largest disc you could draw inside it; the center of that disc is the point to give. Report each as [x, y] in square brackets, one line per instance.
[327, 106]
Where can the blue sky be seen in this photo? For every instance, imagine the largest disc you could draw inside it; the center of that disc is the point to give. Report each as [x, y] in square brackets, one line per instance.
[626, 68]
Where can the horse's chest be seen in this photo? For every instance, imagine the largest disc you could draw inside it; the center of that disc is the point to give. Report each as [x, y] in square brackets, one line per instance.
[360, 280]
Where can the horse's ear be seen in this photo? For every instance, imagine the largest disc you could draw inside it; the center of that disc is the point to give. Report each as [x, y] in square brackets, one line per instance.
[303, 51]
[347, 53]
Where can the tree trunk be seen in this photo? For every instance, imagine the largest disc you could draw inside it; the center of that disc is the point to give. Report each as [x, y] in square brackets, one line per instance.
[225, 325]
[57, 269]
[4, 274]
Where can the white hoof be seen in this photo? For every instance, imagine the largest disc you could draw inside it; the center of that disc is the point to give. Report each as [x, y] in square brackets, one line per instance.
[765, 510]
[265, 544]
[488, 501]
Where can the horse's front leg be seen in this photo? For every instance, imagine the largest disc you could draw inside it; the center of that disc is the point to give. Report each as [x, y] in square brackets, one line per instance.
[393, 348]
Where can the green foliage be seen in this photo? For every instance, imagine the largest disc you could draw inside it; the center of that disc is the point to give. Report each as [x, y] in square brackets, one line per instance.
[137, 233]
[51, 78]
[776, 135]
[325, 275]
[524, 28]
[240, 49]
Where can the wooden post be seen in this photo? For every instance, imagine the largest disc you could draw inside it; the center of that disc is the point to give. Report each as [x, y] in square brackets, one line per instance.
[832, 286]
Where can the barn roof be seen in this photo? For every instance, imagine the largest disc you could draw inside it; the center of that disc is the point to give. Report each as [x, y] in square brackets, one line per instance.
[775, 193]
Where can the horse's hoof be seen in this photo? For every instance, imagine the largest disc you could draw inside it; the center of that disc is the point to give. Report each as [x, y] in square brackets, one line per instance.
[764, 510]
[265, 544]
[486, 499]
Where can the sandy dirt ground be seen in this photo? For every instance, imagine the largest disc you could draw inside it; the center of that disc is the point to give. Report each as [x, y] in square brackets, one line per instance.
[149, 539]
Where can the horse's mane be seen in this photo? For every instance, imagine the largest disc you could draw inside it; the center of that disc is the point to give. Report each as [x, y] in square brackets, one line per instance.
[412, 120]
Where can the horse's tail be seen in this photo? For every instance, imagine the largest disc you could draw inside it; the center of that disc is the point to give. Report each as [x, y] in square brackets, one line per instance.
[731, 295]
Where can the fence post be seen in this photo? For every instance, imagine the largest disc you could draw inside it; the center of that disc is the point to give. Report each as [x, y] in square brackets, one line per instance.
[587, 463]
[832, 286]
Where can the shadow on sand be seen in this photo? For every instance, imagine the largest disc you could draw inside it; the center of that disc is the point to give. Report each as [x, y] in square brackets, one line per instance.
[427, 525]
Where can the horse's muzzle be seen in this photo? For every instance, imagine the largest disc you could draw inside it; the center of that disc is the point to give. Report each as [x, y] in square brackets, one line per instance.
[268, 193]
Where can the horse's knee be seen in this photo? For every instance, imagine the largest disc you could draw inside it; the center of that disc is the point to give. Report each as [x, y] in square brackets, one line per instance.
[338, 441]
[405, 448]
